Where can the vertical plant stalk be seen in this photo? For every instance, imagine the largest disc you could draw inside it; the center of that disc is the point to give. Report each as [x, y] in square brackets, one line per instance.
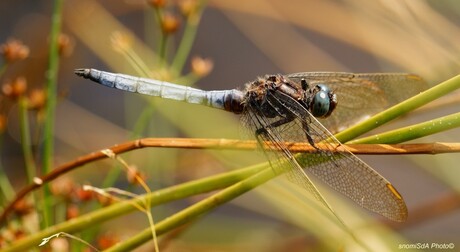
[25, 140]
[162, 38]
[163, 43]
[50, 107]
[142, 122]
[6, 189]
[186, 42]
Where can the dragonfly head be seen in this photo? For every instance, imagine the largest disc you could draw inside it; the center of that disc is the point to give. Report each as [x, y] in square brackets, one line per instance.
[323, 102]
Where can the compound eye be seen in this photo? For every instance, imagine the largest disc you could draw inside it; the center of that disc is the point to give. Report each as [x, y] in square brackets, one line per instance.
[321, 104]
[324, 88]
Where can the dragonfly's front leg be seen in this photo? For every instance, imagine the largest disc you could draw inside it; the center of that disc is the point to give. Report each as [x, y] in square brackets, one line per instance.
[306, 129]
[266, 131]
[280, 122]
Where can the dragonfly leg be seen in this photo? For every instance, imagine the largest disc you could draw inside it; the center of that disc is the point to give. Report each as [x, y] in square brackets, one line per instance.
[307, 134]
[280, 122]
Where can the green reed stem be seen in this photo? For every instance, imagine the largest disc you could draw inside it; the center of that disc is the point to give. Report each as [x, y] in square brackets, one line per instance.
[50, 107]
[26, 142]
[186, 43]
[142, 121]
[162, 52]
[413, 131]
[158, 17]
[6, 189]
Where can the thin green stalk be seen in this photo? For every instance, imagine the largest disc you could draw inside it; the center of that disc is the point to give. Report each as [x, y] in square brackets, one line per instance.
[410, 104]
[186, 42]
[26, 140]
[413, 131]
[6, 189]
[158, 13]
[197, 209]
[51, 86]
[152, 228]
[142, 121]
[26, 143]
[157, 198]
[162, 52]
[162, 38]
[112, 176]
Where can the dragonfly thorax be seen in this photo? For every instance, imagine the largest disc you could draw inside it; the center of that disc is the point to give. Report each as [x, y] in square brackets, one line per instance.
[274, 94]
[264, 95]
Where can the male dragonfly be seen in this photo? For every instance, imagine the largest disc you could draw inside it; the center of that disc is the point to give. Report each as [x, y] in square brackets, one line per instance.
[279, 109]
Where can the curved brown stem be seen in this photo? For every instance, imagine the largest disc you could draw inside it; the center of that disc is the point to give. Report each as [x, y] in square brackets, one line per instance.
[198, 143]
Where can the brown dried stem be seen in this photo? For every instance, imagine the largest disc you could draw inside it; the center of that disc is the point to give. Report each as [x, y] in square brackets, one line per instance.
[197, 143]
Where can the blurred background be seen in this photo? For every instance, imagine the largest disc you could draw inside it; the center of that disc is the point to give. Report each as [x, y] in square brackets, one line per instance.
[224, 44]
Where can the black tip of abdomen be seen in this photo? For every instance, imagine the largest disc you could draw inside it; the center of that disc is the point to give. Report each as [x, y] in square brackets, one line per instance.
[83, 72]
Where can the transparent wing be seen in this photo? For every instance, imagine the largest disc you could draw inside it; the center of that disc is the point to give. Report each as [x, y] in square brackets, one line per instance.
[342, 171]
[362, 95]
[278, 155]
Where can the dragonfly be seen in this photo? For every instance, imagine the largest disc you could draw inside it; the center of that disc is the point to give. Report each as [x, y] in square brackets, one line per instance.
[305, 107]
